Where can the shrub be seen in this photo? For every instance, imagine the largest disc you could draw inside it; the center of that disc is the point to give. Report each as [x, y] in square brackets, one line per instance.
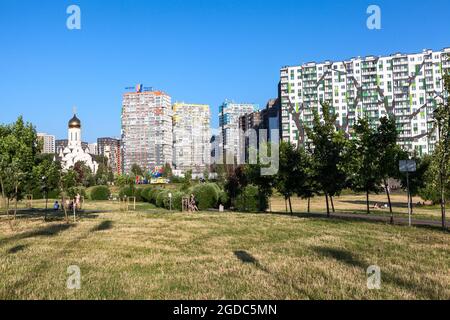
[248, 199]
[153, 195]
[206, 195]
[126, 191]
[162, 200]
[100, 193]
[224, 199]
[177, 198]
[146, 194]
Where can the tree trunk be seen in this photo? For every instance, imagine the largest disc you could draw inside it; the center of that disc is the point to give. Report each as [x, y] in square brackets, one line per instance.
[309, 205]
[290, 205]
[285, 203]
[328, 206]
[15, 207]
[388, 194]
[367, 202]
[332, 204]
[441, 178]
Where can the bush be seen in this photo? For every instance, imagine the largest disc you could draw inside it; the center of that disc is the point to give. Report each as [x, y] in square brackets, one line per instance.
[126, 191]
[224, 199]
[162, 200]
[206, 195]
[100, 193]
[146, 194]
[177, 198]
[248, 200]
[153, 195]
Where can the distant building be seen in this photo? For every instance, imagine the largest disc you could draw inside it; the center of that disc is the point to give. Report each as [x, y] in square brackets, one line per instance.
[191, 137]
[92, 149]
[250, 121]
[48, 143]
[74, 151]
[407, 86]
[229, 113]
[111, 148]
[146, 129]
[215, 150]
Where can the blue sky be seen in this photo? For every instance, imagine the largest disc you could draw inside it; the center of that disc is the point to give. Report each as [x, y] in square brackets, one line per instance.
[198, 51]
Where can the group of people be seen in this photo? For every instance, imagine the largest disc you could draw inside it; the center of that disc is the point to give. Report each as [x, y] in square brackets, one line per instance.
[69, 204]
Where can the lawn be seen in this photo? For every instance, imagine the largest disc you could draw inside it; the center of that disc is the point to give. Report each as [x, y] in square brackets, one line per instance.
[154, 254]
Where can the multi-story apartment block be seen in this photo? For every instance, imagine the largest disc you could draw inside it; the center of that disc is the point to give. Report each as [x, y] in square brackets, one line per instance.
[48, 143]
[406, 86]
[229, 113]
[146, 129]
[191, 137]
[111, 148]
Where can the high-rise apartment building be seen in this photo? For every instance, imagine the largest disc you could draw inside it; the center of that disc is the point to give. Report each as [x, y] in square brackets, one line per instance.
[229, 113]
[111, 148]
[146, 129]
[406, 86]
[48, 143]
[191, 137]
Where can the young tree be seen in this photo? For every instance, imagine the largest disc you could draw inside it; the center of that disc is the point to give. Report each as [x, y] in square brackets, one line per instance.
[367, 177]
[441, 155]
[18, 149]
[236, 183]
[46, 175]
[389, 155]
[328, 152]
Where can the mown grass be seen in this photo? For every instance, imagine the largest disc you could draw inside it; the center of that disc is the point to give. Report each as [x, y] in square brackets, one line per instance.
[154, 254]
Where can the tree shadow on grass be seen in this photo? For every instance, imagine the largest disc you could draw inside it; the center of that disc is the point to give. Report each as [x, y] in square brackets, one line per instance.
[17, 249]
[427, 289]
[341, 256]
[46, 231]
[102, 226]
[247, 258]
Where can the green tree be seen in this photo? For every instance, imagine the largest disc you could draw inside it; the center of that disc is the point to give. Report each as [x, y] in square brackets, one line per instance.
[236, 182]
[137, 170]
[328, 154]
[367, 176]
[389, 155]
[18, 149]
[441, 155]
[167, 171]
[47, 175]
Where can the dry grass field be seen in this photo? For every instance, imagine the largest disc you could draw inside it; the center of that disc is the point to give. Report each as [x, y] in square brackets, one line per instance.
[155, 254]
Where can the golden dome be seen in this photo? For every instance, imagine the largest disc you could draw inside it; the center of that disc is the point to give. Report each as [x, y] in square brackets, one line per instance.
[74, 122]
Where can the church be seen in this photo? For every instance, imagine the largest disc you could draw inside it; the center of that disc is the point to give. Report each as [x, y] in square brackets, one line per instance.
[74, 151]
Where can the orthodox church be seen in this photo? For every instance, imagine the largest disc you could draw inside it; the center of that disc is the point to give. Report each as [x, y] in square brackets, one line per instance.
[74, 152]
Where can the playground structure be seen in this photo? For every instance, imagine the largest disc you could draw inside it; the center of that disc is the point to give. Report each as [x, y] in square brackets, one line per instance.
[29, 201]
[126, 203]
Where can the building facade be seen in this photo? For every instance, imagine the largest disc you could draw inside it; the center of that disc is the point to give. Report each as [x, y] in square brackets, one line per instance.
[48, 143]
[406, 86]
[229, 114]
[191, 137]
[111, 148]
[146, 129]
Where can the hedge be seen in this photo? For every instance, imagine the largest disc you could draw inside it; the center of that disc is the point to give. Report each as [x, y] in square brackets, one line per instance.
[100, 193]
[206, 195]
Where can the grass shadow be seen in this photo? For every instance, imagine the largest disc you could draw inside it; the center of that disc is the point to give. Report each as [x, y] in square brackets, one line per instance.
[102, 226]
[47, 231]
[17, 249]
[341, 256]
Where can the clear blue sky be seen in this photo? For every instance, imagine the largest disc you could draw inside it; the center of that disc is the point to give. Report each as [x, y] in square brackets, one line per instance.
[197, 51]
